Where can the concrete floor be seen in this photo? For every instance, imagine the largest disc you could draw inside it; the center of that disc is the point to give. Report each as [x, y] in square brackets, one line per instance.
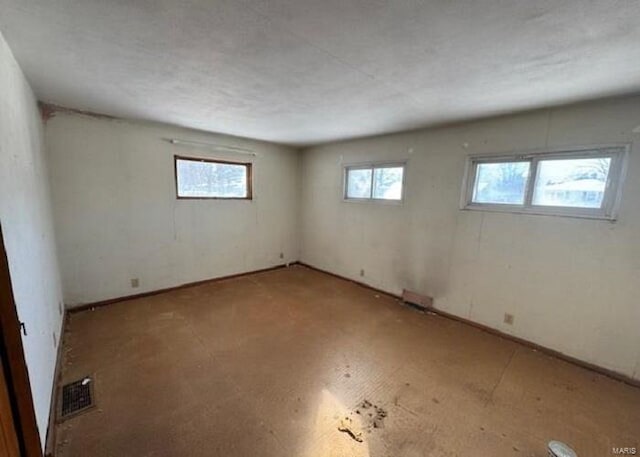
[271, 365]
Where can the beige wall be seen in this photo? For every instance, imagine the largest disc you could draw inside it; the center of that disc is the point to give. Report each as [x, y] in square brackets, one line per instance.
[27, 225]
[572, 284]
[117, 216]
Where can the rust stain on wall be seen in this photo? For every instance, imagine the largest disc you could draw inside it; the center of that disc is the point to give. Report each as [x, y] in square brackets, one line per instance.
[46, 111]
[49, 110]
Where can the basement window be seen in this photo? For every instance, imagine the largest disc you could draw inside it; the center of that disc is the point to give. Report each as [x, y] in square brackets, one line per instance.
[215, 179]
[367, 182]
[584, 182]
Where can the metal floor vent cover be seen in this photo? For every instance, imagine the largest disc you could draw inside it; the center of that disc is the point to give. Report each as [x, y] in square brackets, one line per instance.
[77, 397]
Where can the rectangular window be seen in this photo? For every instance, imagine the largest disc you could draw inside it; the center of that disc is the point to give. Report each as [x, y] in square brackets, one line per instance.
[206, 178]
[374, 182]
[501, 183]
[578, 183]
[582, 182]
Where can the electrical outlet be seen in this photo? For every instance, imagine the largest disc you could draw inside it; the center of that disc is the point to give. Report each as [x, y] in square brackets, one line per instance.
[282, 255]
[508, 318]
[135, 282]
[361, 272]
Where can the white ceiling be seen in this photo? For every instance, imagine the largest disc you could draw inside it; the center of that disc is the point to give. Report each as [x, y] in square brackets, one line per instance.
[310, 71]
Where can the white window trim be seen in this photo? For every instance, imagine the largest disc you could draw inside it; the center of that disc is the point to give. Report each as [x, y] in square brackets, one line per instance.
[373, 166]
[613, 188]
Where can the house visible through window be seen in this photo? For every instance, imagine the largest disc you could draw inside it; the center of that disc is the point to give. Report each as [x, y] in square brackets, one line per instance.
[581, 182]
[205, 178]
[577, 183]
[374, 182]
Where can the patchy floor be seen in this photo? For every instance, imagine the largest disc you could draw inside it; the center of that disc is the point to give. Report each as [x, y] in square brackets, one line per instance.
[297, 363]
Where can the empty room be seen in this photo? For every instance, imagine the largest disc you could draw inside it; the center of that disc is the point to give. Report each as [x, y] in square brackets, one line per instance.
[297, 228]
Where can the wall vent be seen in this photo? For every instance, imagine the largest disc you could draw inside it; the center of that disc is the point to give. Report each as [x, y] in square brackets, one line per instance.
[416, 299]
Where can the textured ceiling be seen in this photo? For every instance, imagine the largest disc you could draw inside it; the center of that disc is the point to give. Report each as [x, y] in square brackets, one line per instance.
[309, 71]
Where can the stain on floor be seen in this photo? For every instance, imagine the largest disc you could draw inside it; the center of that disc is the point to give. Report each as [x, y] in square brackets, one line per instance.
[257, 366]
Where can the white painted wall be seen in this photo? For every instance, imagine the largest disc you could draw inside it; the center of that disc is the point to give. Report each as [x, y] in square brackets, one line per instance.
[27, 224]
[572, 284]
[117, 216]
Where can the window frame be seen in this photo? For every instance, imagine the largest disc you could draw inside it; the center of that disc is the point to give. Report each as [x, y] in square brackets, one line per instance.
[613, 187]
[248, 170]
[372, 166]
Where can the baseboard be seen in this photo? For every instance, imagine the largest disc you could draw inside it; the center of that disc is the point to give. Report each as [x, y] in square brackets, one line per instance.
[552, 352]
[545, 350]
[50, 440]
[344, 278]
[110, 301]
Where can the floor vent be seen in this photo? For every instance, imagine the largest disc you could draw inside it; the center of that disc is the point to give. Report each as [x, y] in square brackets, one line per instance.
[77, 397]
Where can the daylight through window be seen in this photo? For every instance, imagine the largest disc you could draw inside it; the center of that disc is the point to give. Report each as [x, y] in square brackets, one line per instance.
[205, 178]
[581, 183]
[374, 182]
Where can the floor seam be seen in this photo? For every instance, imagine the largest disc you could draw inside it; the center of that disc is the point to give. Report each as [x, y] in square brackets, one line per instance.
[504, 371]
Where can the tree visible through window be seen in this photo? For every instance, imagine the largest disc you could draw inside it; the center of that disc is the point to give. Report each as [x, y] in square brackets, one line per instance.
[374, 182]
[578, 182]
[501, 183]
[203, 178]
[387, 183]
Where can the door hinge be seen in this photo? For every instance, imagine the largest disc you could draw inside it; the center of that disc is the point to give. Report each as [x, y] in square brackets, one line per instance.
[23, 327]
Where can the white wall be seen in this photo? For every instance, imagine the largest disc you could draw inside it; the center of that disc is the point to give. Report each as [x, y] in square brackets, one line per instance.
[117, 216]
[25, 215]
[572, 284]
